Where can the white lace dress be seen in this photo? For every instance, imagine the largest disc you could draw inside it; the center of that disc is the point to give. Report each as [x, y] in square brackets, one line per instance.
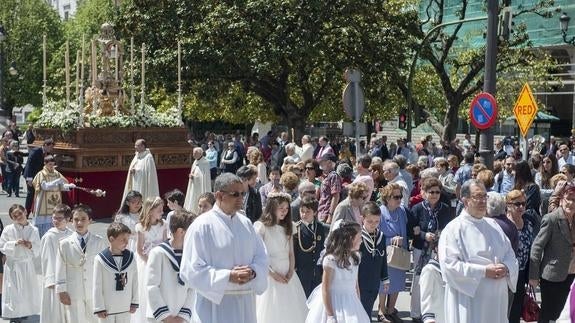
[344, 299]
[130, 220]
[152, 238]
[280, 302]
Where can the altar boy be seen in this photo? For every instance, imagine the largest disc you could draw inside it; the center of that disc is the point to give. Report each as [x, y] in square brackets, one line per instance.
[75, 267]
[169, 299]
[52, 309]
[116, 278]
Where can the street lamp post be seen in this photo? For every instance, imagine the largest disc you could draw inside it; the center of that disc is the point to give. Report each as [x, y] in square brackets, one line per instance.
[2, 38]
[564, 23]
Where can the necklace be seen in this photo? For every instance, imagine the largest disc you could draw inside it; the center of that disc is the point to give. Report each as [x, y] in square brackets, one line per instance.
[370, 241]
[313, 244]
[390, 216]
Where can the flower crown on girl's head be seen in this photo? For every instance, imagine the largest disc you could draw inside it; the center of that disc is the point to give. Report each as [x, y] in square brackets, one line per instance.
[279, 195]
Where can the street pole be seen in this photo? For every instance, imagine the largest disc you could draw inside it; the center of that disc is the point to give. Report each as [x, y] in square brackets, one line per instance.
[489, 80]
[414, 64]
[357, 116]
[2, 111]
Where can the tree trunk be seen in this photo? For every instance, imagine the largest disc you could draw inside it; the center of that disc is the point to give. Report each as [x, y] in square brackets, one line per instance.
[296, 122]
[295, 118]
[436, 125]
[450, 122]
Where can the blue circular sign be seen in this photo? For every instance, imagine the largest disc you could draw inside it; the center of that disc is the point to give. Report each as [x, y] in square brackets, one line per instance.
[483, 111]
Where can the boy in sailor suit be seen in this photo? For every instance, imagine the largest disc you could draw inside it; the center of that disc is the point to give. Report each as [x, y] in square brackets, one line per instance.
[75, 267]
[309, 239]
[116, 278]
[373, 267]
[169, 299]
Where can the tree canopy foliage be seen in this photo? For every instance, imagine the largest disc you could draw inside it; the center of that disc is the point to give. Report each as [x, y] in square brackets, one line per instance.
[454, 64]
[25, 22]
[285, 57]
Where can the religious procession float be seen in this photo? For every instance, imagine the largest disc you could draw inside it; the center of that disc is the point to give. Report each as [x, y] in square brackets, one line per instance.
[95, 132]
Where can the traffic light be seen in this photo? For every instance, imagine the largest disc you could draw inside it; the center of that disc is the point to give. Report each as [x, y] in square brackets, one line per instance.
[403, 119]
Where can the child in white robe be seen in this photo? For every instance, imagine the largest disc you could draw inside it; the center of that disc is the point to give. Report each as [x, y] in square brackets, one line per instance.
[168, 297]
[20, 242]
[52, 309]
[432, 293]
[75, 267]
[116, 278]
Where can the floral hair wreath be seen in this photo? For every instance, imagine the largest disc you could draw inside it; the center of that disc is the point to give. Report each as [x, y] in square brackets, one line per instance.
[279, 195]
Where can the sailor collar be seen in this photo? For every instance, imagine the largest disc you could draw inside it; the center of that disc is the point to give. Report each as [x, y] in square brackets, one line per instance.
[108, 259]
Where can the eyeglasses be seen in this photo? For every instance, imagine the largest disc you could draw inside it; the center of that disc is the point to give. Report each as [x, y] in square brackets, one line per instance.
[434, 192]
[310, 168]
[479, 197]
[397, 197]
[235, 194]
[309, 192]
[518, 204]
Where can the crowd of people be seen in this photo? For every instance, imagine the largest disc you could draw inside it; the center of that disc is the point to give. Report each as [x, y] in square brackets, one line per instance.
[325, 226]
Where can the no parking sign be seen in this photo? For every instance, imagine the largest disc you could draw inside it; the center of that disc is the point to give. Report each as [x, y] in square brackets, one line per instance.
[483, 110]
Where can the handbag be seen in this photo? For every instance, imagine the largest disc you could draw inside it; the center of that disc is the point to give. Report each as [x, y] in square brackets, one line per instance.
[530, 310]
[397, 257]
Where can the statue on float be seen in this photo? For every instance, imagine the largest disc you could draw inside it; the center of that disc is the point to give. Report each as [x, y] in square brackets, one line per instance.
[105, 97]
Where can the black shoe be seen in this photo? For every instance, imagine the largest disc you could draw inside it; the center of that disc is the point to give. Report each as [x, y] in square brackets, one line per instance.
[394, 317]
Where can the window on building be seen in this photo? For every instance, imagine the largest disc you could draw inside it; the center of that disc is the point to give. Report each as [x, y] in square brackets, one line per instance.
[66, 11]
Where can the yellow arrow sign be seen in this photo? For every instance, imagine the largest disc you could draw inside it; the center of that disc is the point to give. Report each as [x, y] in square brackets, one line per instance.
[525, 109]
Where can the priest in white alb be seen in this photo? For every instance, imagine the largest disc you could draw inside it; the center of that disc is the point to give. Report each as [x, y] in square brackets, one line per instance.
[224, 260]
[477, 262]
[200, 180]
[142, 175]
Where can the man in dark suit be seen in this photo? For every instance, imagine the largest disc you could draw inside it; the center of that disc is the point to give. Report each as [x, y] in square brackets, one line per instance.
[309, 239]
[500, 153]
[252, 200]
[35, 164]
[383, 148]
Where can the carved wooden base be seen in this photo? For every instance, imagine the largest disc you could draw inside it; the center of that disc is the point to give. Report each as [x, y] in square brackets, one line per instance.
[100, 157]
[112, 149]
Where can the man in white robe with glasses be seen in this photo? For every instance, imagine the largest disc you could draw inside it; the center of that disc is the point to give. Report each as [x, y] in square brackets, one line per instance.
[477, 262]
[224, 259]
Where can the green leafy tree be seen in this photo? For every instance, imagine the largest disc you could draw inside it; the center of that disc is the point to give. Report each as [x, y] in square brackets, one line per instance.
[273, 59]
[26, 21]
[453, 64]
